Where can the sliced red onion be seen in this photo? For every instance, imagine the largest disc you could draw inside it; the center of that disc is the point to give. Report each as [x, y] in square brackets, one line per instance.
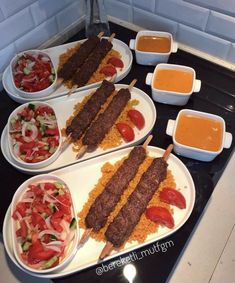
[65, 225]
[31, 64]
[16, 149]
[50, 232]
[28, 194]
[54, 248]
[45, 59]
[48, 223]
[32, 128]
[27, 200]
[18, 215]
[47, 198]
[29, 80]
[55, 243]
[69, 237]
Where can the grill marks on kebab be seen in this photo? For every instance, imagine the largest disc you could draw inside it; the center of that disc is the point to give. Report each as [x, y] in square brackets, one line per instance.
[105, 120]
[128, 217]
[105, 203]
[88, 113]
[91, 64]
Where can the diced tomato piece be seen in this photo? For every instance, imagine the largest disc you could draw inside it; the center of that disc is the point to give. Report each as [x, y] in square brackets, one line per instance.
[173, 197]
[56, 219]
[65, 199]
[24, 228]
[49, 186]
[126, 131]
[36, 190]
[161, 215]
[108, 71]
[44, 109]
[137, 118]
[40, 207]
[37, 253]
[116, 62]
[38, 220]
[18, 232]
[21, 207]
[52, 132]
[65, 209]
[53, 142]
[27, 146]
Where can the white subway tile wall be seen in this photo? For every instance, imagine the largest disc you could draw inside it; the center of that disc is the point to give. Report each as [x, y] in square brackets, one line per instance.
[207, 25]
[27, 24]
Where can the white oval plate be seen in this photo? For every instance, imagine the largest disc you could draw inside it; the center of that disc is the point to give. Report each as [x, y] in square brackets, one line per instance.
[63, 107]
[78, 178]
[54, 53]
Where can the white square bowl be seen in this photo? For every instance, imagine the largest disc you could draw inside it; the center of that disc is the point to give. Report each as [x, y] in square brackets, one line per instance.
[36, 94]
[152, 58]
[172, 97]
[194, 152]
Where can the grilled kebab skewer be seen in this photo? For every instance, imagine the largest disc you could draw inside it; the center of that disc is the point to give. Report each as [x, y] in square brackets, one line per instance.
[82, 76]
[105, 203]
[128, 217]
[100, 127]
[77, 59]
[88, 113]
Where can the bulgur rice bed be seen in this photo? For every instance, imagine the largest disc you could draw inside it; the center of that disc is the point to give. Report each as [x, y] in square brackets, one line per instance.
[97, 76]
[113, 138]
[145, 226]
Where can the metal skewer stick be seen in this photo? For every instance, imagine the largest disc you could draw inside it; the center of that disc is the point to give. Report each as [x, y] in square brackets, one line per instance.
[109, 246]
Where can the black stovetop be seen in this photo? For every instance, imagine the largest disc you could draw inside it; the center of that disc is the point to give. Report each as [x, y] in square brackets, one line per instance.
[217, 96]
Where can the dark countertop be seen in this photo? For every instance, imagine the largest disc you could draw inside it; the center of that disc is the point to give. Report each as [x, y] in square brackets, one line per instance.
[217, 96]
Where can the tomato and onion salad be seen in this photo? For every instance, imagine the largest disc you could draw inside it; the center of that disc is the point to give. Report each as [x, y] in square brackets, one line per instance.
[34, 133]
[33, 72]
[44, 224]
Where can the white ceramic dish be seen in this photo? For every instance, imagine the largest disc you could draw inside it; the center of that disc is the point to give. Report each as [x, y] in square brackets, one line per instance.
[54, 53]
[37, 94]
[152, 58]
[17, 160]
[63, 107]
[193, 152]
[81, 173]
[70, 250]
[171, 97]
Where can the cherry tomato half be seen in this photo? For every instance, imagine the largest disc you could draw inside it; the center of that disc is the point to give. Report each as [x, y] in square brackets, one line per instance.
[173, 197]
[116, 62]
[137, 118]
[161, 215]
[108, 71]
[126, 131]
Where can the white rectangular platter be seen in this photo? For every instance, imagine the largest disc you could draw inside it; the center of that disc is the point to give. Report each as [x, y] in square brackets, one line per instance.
[81, 178]
[64, 107]
[54, 53]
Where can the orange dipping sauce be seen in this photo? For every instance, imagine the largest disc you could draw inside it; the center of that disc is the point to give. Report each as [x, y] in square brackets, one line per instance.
[173, 80]
[158, 44]
[200, 132]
